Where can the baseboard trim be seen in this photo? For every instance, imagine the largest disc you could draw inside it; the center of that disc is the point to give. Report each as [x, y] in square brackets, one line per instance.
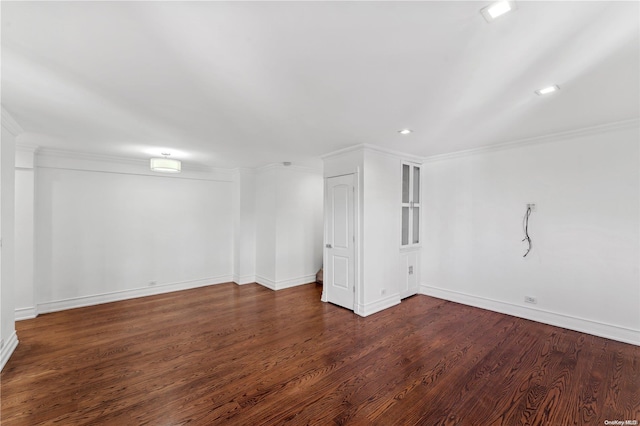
[280, 285]
[26, 313]
[379, 305]
[246, 279]
[8, 348]
[97, 299]
[582, 325]
[293, 282]
[266, 282]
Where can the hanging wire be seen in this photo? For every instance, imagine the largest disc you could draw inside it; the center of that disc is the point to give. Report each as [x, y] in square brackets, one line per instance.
[526, 230]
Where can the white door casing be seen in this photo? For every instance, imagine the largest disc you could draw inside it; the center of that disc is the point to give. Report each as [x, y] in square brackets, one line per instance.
[339, 274]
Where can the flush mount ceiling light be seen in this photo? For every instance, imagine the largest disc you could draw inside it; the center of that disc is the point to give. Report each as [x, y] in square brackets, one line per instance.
[497, 9]
[165, 164]
[547, 90]
[405, 131]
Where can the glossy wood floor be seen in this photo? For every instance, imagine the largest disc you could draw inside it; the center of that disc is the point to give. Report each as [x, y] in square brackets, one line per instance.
[245, 355]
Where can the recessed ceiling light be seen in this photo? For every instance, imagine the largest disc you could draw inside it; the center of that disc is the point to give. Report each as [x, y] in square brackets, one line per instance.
[497, 9]
[547, 90]
[405, 131]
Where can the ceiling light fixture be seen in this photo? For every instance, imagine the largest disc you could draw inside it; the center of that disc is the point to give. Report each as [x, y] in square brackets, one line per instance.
[165, 164]
[547, 90]
[405, 131]
[497, 9]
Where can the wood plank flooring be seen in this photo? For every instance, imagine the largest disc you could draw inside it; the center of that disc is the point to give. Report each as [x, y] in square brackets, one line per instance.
[245, 355]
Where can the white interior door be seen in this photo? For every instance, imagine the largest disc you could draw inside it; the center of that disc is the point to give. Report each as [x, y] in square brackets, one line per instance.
[339, 275]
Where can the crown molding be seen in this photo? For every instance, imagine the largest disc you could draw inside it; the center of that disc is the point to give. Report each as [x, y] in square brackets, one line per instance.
[9, 123]
[74, 160]
[364, 147]
[552, 137]
[85, 156]
[280, 166]
[29, 149]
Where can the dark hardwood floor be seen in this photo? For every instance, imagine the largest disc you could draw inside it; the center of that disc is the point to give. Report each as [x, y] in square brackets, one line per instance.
[245, 355]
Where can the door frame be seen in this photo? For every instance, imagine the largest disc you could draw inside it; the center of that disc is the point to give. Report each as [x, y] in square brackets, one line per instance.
[356, 233]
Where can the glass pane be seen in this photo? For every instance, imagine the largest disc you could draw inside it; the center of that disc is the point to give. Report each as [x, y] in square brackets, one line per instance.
[416, 225]
[405, 226]
[405, 183]
[416, 184]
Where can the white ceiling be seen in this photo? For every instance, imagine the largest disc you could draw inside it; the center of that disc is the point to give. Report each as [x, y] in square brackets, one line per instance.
[231, 84]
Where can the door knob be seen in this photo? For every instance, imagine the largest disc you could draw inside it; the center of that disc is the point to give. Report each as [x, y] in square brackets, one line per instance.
[328, 246]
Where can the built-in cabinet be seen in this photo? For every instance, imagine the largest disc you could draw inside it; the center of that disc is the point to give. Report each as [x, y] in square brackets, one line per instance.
[410, 231]
[410, 235]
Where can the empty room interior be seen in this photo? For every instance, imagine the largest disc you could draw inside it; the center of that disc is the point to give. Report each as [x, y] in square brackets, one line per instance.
[320, 213]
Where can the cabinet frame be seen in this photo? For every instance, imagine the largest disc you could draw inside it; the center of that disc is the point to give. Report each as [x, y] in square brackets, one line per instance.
[411, 205]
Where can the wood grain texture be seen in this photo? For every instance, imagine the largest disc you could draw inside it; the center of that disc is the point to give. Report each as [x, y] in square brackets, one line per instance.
[245, 355]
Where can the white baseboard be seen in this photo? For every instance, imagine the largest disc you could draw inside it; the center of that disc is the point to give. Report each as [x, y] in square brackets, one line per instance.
[306, 279]
[377, 306]
[246, 279]
[266, 282]
[7, 349]
[26, 313]
[582, 325]
[97, 299]
[282, 284]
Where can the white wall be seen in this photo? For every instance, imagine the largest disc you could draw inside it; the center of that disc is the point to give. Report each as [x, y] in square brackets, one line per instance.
[244, 227]
[299, 226]
[381, 230]
[8, 337]
[289, 203]
[266, 208]
[105, 235]
[584, 266]
[24, 233]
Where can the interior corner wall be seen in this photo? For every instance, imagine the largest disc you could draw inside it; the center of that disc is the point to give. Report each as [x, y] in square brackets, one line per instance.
[106, 235]
[244, 227]
[24, 233]
[8, 338]
[584, 265]
[298, 226]
[288, 226]
[266, 207]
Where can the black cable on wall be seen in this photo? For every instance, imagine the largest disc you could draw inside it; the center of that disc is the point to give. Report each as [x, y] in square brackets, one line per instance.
[526, 229]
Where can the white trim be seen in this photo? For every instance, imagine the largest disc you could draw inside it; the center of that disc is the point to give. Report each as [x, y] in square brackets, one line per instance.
[553, 137]
[9, 123]
[266, 282]
[282, 284]
[245, 279]
[115, 296]
[280, 166]
[8, 348]
[26, 313]
[79, 161]
[379, 305]
[582, 325]
[368, 147]
[293, 282]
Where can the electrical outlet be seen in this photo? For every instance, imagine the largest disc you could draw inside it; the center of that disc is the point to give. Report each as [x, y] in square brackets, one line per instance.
[383, 291]
[530, 299]
[152, 283]
[531, 206]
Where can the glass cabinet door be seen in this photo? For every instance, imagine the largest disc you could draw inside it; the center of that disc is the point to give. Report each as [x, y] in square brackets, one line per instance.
[410, 234]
